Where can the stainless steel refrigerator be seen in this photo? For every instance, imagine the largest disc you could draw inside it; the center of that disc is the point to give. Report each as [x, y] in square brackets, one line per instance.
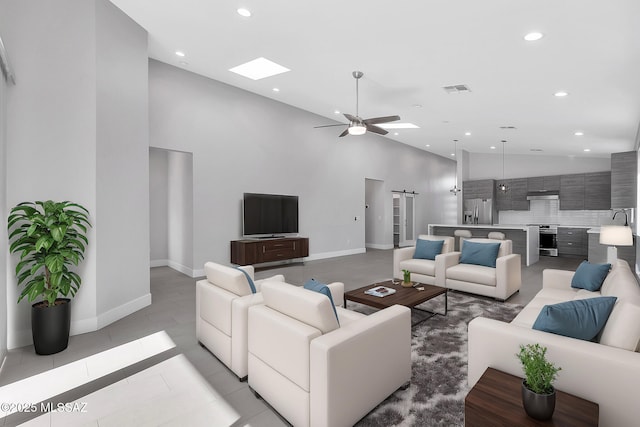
[478, 211]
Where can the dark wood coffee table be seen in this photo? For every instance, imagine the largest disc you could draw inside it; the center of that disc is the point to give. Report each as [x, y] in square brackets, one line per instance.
[496, 400]
[409, 297]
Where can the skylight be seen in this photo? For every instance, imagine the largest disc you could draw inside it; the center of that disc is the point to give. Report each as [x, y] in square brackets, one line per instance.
[259, 69]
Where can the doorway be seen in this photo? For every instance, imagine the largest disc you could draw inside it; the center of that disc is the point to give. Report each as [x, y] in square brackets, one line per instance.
[404, 219]
[374, 216]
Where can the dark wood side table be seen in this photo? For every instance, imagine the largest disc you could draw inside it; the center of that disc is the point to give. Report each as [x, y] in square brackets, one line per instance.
[496, 400]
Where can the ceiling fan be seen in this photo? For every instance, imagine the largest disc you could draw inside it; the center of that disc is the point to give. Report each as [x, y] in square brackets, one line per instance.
[359, 126]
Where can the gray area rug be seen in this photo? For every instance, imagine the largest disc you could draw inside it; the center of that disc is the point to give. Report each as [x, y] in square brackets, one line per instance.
[439, 363]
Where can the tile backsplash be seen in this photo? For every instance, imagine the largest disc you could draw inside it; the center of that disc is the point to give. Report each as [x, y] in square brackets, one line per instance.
[548, 212]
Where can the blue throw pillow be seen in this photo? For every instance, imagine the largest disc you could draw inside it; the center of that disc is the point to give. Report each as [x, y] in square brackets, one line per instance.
[314, 285]
[582, 319]
[590, 276]
[428, 249]
[251, 284]
[479, 253]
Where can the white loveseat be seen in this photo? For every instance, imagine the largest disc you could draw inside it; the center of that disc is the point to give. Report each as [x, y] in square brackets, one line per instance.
[500, 282]
[317, 372]
[605, 374]
[422, 270]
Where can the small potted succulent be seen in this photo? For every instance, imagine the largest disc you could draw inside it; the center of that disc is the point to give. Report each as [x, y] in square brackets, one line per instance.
[406, 281]
[538, 393]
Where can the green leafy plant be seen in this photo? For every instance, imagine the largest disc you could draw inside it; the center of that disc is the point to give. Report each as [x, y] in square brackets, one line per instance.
[50, 237]
[539, 373]
[407, 276]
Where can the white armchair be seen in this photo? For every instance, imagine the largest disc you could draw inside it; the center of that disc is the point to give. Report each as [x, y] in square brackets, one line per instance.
[317, 372]
[222, 303]
[500, 282]
[422, 270]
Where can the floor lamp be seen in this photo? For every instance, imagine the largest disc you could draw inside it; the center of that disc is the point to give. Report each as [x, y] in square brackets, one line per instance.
[615, 235]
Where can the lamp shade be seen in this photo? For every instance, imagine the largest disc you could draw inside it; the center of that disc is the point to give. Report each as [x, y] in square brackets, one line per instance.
[616, 235]
[357, 129]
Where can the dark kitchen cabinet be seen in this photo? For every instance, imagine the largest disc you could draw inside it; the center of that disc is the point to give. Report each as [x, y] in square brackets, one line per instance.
[597, 191]
[572, 242]
[544, 183]
[519, 188]
[572, 192]
[503, 199]
[480, 189]
[624, 173]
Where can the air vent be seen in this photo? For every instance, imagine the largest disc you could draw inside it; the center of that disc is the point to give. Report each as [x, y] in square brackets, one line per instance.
[536, 149]
[508, 127]
[456, 89]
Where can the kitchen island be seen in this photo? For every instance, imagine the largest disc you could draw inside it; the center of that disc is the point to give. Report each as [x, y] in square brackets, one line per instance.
[525, 238]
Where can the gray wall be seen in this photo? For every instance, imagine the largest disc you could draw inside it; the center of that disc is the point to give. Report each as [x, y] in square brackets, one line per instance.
[159, 206]
[77, 130]
[180, 211]
[489, 166]
[242, 142]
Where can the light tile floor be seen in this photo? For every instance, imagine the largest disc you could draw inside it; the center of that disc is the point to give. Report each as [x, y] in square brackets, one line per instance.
[146, 392]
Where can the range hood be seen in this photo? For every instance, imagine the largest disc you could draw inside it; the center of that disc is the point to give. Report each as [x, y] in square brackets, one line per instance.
[543, 195]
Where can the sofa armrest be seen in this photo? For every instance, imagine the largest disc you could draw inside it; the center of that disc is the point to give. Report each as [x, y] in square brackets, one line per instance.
[356, 367]
[444, 261]
[400, 255]
[557, 279]
[508, 276]
[337, 293]
[240, 331]
[590, 370]
[276, 278]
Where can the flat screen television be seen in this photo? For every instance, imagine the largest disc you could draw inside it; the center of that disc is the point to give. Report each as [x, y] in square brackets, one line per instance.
[269, 214]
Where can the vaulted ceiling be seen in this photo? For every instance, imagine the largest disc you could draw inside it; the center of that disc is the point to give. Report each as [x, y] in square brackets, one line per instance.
[410, 50]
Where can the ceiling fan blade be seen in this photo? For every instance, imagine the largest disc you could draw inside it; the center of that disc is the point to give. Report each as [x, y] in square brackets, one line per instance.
[376, 129]
[328, 126]
[350, 117]
[376, 120]
[345, 133]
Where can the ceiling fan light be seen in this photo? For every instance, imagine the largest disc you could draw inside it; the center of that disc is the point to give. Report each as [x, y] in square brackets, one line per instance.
[357, 129]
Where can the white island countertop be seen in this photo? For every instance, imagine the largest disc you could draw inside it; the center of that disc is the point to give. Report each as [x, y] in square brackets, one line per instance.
[495, 226]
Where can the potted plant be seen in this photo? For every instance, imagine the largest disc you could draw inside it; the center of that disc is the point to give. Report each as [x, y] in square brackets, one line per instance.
[538, 393]
[406, 281]
[50, 237]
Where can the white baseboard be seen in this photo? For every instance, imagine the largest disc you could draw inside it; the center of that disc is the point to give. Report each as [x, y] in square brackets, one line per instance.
[158, 263]
[378, 246]
[325, 255]
[82, 326]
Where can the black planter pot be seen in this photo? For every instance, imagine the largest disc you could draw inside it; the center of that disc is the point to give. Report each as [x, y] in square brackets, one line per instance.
[538, 406]
[50, 326]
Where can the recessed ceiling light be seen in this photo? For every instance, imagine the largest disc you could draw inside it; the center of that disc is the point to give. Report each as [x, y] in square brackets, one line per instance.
[336, 112]
[531, 37]
[417, 105]
[180, 53]
[467, 133]
[275, 89]
[587, 149]
[453, 154]
[428, 145]
[259, 69]
[578, 133]
[493, 147]
[244, 12]
[397, 126]
[561, 93]
[396, 133]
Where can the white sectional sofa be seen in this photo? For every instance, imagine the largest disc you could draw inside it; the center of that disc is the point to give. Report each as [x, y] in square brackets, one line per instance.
[606, 372]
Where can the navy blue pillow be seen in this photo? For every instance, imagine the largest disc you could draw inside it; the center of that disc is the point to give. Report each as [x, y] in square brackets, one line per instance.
[314, 285]
[590, 276]
[479, 253]
[251, 284]
[582, 319]
[428, 249]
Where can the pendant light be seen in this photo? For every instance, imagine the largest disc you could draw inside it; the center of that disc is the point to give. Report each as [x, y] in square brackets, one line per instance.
[455, 190]
[502, 186]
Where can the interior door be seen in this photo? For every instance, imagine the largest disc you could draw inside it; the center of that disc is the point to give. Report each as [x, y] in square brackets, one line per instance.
[407, 219]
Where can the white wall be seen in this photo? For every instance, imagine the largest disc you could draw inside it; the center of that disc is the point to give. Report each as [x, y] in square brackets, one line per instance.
[4, 212]
[76, 130]
[180, 212]
[489, 166]
[242, 142]
[158, 206]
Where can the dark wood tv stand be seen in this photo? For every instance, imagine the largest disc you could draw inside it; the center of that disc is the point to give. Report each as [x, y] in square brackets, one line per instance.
[256, 251]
